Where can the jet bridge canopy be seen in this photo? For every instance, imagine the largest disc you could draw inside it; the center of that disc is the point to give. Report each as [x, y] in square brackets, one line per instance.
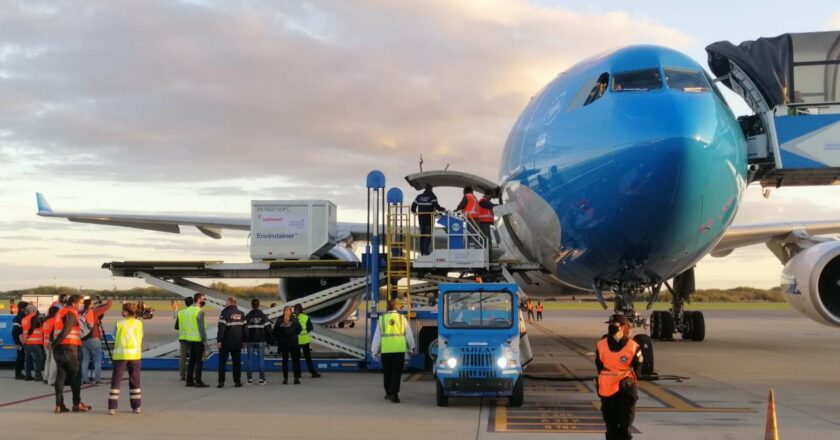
[454, 179]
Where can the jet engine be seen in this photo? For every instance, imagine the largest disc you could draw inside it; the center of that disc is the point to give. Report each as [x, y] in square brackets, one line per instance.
[295, 288]
[811, 283]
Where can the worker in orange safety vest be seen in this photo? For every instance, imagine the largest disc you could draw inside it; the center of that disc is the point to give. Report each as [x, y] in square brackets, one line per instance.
[618, 360]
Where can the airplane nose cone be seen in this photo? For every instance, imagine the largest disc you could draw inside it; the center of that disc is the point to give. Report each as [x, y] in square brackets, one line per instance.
[673, 188]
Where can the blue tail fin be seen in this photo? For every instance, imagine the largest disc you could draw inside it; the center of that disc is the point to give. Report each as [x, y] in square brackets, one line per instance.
[43, 206]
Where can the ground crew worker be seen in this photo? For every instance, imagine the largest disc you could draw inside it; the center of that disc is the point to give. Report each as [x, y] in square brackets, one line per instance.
[16, 331]
[618, 360]
[469, 208]
[539, 311]
[49, 362]
[425, 205]
[486, 218]
[181, 316]
[32, 336]
[128, 347]
[196, 336]
[12, 307]
[67, 343]
[304, 339]
[231, 340]
[286, 331]
[92, 342]
[259, 333]
[391, 341]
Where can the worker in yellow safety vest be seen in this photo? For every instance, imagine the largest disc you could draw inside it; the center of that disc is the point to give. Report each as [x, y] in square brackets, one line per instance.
[391, 341]
[618, 360]
[195, 334]
[184, 349]
[128, 346]
[304, 339]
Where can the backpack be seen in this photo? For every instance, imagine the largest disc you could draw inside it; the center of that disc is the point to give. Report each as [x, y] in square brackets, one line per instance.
[85, 327]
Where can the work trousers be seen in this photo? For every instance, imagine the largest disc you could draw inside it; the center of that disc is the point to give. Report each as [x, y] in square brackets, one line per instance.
[49, 367]
[182, 360]
[425, 223]
[618, 411]
[91, 353]
[67, 365]
[134, 390]
[236, 359]
[292, 351]
[34, 360]
[392, 365]
[485, 231]
[539, 315]
[256, 354]
[196, 363]
[20, 360]
[307, 354]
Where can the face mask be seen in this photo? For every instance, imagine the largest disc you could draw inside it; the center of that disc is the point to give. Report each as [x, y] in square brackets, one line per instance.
[613, 329]
[202, 303]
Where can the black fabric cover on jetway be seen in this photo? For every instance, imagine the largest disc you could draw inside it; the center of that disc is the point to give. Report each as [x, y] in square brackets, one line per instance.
[767, 61]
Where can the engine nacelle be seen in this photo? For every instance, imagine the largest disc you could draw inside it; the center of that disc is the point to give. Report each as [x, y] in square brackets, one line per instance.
[294, 288]
[811, 283]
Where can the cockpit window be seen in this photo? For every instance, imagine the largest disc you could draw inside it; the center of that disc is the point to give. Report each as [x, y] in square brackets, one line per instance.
[637, 80]
[598, 89]
[691, 81]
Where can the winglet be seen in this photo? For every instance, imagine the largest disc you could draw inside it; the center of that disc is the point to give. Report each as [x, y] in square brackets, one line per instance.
[43, 205]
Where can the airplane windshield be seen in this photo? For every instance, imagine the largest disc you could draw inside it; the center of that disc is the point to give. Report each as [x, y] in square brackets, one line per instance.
[637, 80]
[478, 310]
[691, 81]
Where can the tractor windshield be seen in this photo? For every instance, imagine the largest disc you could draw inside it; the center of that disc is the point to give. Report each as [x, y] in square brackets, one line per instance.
[478, 310]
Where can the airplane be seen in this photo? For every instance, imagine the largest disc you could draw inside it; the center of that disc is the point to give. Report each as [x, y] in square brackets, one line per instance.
[618, 177]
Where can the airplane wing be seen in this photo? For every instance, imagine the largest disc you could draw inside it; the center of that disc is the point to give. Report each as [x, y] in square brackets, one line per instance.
[745, 235]
[209, 226]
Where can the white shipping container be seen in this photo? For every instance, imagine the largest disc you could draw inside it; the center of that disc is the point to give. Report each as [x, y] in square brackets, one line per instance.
[291, 229]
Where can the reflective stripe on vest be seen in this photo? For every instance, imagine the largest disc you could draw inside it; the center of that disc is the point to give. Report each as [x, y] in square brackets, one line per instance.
[484, 215]
[188, 327]
[471, 210]
[128, 342]
[46, 330]
[303, 337]
[74, 337]
[392, 332]
[37, 336]
[617, 366]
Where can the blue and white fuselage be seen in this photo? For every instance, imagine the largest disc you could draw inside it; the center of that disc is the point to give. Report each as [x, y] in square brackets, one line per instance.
[612, 178]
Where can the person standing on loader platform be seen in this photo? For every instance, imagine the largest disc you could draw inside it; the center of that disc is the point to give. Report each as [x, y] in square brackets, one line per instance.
[32, 336]
[20, 360]
[425, 205]
[128, 348]
[231, 337]
[196, 336]
[618, 360]
[469, 209]
[286, 331]
[180, 317]
[259, 333]
[304, 339]
[486, 218]
[67, 343]
[391, 341]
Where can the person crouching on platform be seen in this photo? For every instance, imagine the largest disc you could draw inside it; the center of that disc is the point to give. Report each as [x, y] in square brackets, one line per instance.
[391, 340]
[618, 360]
[128, 346]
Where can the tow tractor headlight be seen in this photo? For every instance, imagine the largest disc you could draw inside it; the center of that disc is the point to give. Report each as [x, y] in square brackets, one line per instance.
[452, 362]
[502, 362]
[507, 359]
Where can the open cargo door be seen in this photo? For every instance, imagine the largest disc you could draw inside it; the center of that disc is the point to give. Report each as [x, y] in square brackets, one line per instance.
[791, 83]
[453, 179]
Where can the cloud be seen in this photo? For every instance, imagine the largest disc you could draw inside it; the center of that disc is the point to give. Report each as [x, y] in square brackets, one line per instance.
[311, 92]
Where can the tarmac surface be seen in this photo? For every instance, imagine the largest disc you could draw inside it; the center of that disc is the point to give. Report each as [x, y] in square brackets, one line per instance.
[716, 389]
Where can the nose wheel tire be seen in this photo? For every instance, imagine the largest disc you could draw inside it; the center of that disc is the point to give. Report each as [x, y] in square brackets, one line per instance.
[698, 326]
[442, 399]
[518, 396]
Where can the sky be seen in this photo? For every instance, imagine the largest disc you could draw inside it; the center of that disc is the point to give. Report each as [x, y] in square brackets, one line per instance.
[197, 107]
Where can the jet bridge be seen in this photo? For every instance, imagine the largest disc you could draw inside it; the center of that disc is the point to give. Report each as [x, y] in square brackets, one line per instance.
[791, 84]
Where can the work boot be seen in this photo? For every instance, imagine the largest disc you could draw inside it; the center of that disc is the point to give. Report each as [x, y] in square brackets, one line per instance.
[395, 398]
[200, 385]
[297, 382]
[19, 377]
[237, 385]
[39, 378]
[190, 384]
[61, 409]
[285, 381]
[81, 407]
[263, 382]
[387, 396]
[250, 381]
[28, 378]
[316, 375]
[220, 385]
